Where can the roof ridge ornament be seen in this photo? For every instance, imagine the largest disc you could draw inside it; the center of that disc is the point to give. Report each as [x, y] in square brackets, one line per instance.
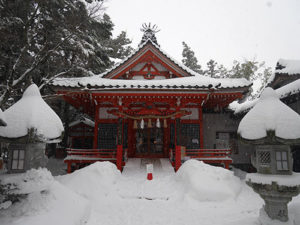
[149, 33]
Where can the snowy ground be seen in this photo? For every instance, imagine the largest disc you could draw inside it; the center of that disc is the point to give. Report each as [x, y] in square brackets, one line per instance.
[100, 194]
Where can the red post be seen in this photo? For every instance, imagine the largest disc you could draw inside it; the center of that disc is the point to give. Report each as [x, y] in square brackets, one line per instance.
[95, 144]
[177, 157]
[119, 157]
[69, 167]
[201, 127]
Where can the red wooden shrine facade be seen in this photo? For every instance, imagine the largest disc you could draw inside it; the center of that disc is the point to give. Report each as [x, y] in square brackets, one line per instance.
[148, 106]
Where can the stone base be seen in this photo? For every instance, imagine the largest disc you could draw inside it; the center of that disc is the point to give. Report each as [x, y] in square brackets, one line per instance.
[264, 219]
[276, 198]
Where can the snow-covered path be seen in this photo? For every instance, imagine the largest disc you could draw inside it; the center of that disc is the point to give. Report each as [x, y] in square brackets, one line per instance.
[198, 194]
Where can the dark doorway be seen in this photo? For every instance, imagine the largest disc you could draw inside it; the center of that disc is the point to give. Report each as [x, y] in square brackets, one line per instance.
[149, 142]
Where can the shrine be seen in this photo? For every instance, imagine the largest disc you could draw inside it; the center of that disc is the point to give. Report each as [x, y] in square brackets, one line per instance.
[149, 106]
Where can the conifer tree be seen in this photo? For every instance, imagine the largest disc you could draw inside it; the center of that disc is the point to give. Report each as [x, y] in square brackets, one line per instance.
[212, 70]
[189, 59]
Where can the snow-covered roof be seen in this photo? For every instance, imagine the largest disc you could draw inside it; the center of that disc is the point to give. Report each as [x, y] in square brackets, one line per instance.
[83, 120]
[2, 119]
[191, 80]
[31, 111]
[284, 91]
[196, 82]
[285, 67]
[288, 66]
[270, 114]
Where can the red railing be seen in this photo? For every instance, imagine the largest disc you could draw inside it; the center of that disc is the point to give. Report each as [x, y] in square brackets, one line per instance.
[82, 156]
[211, 156]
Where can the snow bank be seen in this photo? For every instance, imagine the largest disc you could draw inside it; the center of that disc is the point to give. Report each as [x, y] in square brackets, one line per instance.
[90, 180]
[31, 111]
[270, 114]
[207, 183]
[47, 202]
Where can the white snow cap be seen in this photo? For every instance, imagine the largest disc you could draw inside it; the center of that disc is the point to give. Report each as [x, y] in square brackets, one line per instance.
[270, 114]
[2, 119]
[31, 111]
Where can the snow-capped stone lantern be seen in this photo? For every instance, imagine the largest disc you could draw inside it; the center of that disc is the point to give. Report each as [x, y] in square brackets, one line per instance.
[271, 127]
[31, 123]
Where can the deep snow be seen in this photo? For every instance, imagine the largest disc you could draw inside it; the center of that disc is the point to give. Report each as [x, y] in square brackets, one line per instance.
[100, 194]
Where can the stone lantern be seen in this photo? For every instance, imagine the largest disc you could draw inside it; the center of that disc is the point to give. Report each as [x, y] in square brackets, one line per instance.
[271, 127]
[31, 123]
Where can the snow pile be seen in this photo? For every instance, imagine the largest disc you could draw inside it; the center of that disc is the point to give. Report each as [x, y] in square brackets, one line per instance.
[88, 181]
[31, 111]
[270, 114]
[2, 119]
[47, 202]
[207, 183]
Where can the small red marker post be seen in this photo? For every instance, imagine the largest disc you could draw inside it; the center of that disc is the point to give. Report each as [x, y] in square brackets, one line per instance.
[149, 171]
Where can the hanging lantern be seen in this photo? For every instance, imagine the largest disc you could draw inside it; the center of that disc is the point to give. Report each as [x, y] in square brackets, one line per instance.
[149, 123]
[157, 123]
[134, 124]
[165, 123]
[142, 124]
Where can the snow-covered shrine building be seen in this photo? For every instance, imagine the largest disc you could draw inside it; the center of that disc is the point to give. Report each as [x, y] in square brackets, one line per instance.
[151, 106]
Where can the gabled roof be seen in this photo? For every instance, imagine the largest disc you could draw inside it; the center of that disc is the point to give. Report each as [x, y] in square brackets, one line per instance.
[186, 78]
[177, 68]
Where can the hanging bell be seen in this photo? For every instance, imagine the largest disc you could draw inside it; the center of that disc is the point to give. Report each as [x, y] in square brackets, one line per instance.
[135, 124]
[149, 123]
[157, 123]
[142, 124]
[165, 123]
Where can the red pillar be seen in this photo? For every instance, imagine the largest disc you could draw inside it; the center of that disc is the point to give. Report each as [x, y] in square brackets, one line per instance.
[119, 157]
[95, 144]
[177, 157]
[201, 127]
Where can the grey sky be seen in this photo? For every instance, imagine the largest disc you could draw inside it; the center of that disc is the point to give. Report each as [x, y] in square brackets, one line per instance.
[223, 30]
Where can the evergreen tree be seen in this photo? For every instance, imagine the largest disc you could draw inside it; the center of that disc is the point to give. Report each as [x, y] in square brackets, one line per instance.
[41, 40]
[189, 59]
[212, 70]
[120, 46]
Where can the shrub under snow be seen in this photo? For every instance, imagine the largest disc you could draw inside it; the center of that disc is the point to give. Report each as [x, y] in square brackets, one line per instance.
[94, 180]
[207, 183]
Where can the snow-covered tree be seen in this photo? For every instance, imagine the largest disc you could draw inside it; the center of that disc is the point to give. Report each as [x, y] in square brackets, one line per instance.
[120, 46]
[212, 70]
[41, 40]
[189, 59]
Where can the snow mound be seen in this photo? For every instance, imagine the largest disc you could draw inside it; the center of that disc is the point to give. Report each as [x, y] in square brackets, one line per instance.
[270, 114]
[94, 180]
[31, 181]
[47, 201]
[31, 111]
[208, 183]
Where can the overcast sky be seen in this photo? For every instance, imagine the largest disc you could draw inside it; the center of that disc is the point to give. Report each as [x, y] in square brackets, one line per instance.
[223, 30]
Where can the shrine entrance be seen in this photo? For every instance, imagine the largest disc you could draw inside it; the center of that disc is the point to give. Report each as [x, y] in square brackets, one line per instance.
[149, 142]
